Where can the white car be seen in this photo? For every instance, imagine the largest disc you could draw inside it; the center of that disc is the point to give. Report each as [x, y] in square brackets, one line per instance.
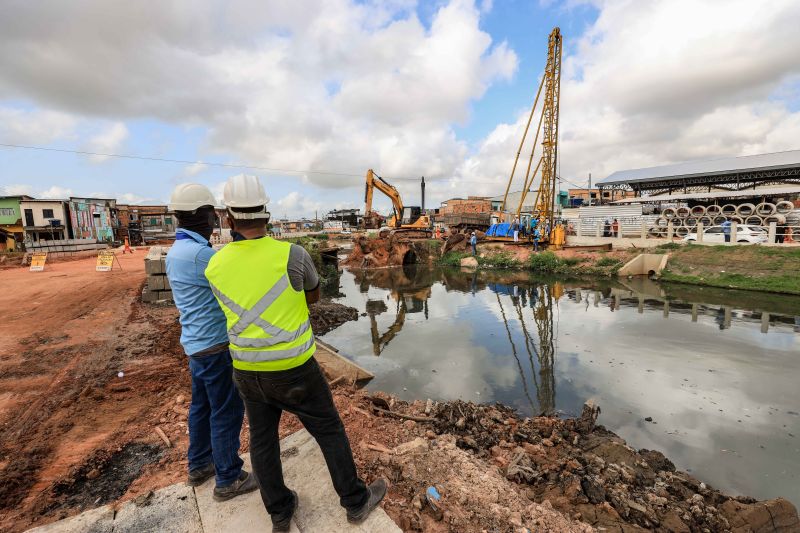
[744, 235]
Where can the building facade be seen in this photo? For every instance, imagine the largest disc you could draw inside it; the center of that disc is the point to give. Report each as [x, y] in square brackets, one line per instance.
[12, 232]
[93, 218]
[465, 206]
[45, 220]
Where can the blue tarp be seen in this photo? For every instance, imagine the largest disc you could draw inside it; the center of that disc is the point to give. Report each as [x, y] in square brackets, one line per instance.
[500, 230]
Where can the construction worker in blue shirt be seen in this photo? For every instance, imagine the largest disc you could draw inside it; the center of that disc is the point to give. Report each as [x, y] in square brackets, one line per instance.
[216, 412]
[264, 287]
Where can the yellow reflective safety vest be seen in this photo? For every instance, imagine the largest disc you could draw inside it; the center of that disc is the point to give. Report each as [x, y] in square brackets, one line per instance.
[268, 324]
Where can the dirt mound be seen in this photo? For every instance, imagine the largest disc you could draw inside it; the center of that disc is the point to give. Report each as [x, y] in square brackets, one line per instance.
[327, 315]
[388, 250]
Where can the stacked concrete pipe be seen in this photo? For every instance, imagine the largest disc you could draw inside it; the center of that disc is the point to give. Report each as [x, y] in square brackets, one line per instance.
[765, 208]
[698, 211]
[745, 210]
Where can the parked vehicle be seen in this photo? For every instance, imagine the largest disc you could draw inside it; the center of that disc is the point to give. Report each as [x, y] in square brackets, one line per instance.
[744, 235]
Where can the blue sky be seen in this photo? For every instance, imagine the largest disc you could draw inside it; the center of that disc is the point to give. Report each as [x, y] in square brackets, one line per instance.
[409, 89]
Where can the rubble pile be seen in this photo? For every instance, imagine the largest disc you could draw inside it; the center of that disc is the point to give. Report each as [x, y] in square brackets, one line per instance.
[488, 462]
[389, 249]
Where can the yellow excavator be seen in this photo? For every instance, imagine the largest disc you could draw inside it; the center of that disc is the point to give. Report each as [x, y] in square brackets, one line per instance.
[552, 232]
[411, 221]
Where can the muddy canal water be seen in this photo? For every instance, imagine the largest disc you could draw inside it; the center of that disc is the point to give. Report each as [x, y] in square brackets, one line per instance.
[709, 377]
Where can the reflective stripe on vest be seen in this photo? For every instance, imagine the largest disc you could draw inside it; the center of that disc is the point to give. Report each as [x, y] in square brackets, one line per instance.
[252, 316]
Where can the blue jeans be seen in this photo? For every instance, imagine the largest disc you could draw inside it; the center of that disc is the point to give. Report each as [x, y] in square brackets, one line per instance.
[215, 417]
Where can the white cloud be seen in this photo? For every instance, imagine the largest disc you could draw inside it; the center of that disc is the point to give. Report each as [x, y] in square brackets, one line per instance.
[194, 169]
[665, 81]
[37, 127]
[294, 205]
[330, 84]
[107, 141]
[56, 192]
[18, 189]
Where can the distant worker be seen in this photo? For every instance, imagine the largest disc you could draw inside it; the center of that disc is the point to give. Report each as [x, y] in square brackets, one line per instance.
[615, 228]
[534, 222]
[216, 411]
[780, 232]
[607, 228]
[264, 287]
[537, 235]
[515, 229]
[726, 230]
[473, 241]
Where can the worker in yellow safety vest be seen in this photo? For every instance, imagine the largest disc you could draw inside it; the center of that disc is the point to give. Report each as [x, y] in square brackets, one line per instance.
[264, 287]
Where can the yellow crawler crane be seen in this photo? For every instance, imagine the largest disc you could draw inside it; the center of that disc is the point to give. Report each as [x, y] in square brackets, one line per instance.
[551, 230]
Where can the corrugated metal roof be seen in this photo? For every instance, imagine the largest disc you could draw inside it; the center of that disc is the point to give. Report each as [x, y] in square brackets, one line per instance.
[767, 191]
[708, 167]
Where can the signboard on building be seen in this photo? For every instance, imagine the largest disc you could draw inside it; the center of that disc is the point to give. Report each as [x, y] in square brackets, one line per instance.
[105, 261]
[38, 260]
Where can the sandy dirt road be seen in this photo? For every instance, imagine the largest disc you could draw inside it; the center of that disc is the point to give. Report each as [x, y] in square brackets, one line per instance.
[64, 413]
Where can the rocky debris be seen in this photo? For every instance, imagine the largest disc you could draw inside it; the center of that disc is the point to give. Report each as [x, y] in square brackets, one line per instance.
[387, 250]
[459, 242]
[469, 262]
[571, 465]
[327, 315]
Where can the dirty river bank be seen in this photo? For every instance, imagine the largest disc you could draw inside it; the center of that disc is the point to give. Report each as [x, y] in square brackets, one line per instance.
[706, 376]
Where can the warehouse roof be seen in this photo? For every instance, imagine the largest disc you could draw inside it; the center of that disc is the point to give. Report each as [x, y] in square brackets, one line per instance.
[744, 193]
[709, 167]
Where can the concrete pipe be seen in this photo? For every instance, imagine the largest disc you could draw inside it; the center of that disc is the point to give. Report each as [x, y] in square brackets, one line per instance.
[669, 213]
[682, 212]
[719, 219]
[737, 219]
[765, 208]
[728, 210]
[784, 207]
[706, 221]
[754, 220]
[713, 210]
[690, 222]
[661, 222]
[745, 210]
[682, 231]
[698, 211]
[655, 232]
[776, 218]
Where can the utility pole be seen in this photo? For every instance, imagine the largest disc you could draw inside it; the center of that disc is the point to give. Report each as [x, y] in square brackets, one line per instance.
[589, 191]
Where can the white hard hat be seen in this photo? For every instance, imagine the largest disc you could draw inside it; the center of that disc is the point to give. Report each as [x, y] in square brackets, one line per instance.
[190, 197]
[244, 192]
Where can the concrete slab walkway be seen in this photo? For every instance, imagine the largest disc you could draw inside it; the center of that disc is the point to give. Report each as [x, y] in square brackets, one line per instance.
[182, 509]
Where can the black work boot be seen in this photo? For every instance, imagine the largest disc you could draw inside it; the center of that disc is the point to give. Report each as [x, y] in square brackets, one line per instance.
[283, 522]
[246, 483]
[198, 476]
[377, 490]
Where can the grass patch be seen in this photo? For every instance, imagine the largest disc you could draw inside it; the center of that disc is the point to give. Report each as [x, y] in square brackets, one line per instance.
[452, 259]
[607, 261]
[499, 260]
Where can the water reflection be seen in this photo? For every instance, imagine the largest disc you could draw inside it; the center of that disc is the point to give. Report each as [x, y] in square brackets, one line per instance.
[715, 369]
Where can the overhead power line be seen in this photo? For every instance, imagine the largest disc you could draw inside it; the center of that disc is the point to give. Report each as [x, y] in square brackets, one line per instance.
[223, 165]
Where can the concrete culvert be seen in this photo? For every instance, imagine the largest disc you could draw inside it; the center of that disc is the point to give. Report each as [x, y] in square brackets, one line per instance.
[784, 207]
[713, 210]
[682, 231]
[765, 208]
[728, 210]
[669, 213]
[778, 219]
[754, 220]
[737, 219]
[698, 210]
[661, 222]
[655, 232]
[410, 258]
[745, 210]
[718, 220]
[682, 212]
[707, 222]
[690, 222]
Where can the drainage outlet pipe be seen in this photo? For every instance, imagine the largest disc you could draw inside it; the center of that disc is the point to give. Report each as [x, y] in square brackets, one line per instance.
[713, 210]
[698, 211]
[728, 210]
[754, 220]
[745, 210]
[669, 213]
[690, 222]
[682, 212]
[765, 208]
[784, 207]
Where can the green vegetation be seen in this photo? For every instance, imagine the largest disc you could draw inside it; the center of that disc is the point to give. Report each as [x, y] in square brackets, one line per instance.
[328, 274]
[452, 259]
[757, 268]
[499, 260]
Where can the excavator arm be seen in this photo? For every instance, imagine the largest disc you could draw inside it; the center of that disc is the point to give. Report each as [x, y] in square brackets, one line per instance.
[376, 182]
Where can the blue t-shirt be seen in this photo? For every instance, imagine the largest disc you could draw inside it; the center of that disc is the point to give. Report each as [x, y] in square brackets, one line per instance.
[203, 323]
